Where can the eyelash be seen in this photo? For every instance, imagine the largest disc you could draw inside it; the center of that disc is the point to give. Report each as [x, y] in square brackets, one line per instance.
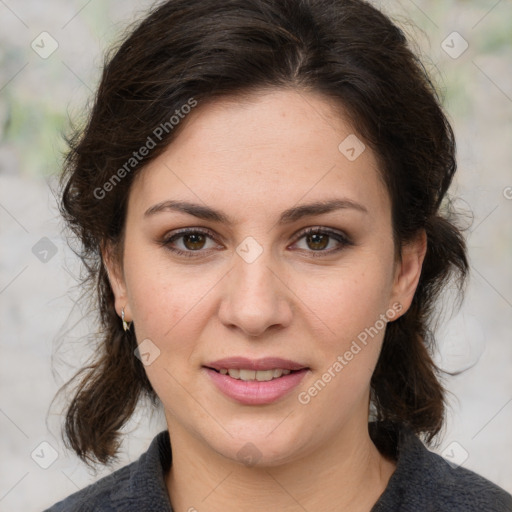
[342, 239]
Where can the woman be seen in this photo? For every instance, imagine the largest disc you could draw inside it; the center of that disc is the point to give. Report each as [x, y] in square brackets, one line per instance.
[258, 194]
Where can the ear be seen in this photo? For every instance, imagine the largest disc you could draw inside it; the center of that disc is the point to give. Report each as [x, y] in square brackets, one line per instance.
[408, 270]
[113, 266]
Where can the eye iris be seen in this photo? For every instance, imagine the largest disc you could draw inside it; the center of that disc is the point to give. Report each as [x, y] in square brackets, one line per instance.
[197, 241]
[317, 238]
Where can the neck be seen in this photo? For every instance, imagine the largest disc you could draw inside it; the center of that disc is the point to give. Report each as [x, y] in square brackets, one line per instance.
[348, 474]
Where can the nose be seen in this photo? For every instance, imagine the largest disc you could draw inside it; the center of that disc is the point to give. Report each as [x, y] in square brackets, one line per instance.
[255, 297]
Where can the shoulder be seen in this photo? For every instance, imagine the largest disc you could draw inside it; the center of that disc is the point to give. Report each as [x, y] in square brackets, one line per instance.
[136, 486]
[456, 488]
[97, 496]
[425, 481]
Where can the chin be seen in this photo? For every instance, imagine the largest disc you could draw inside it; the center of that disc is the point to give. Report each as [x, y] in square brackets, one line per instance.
[260, 450]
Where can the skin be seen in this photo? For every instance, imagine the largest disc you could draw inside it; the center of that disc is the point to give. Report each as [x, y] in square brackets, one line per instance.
[253, 159]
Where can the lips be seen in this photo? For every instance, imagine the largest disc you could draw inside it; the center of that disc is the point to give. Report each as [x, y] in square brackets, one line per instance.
[266, 363]
[247, 380]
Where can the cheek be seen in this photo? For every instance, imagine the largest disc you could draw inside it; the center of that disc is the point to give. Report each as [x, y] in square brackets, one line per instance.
[167, 303]
[169, 309]
[348, 301]
[347, 348]
[349, 307]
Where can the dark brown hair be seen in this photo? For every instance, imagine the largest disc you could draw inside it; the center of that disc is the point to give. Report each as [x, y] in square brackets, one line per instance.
[200, 50]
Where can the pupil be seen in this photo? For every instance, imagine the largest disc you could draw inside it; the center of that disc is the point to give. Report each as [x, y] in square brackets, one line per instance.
[316, 240]
[195, 244]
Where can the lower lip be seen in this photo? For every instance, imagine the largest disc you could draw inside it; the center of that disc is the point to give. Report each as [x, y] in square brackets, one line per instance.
[253, 392]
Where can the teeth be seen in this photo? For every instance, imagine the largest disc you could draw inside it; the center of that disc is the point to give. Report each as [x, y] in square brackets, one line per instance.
[234, 373]
[264, 375]
[246, 374]
[260, 375]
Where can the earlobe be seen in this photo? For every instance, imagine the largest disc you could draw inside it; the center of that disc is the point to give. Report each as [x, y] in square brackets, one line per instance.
[126, 325]
[408, 270]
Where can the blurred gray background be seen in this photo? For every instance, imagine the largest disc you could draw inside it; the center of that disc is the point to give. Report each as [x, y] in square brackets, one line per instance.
[50, 57]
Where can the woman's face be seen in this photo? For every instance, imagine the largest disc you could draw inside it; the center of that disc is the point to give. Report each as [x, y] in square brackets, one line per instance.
[258, 287]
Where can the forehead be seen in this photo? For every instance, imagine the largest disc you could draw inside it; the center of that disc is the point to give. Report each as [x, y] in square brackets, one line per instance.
[267, 152]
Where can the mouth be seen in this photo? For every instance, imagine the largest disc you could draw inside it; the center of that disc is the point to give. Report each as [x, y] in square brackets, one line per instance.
[255, 381]
[251, 375]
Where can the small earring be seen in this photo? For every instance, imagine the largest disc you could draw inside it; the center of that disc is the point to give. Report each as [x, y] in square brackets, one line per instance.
[126, 325]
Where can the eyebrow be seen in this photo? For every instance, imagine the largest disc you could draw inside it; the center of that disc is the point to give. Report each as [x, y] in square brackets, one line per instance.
[287, 217]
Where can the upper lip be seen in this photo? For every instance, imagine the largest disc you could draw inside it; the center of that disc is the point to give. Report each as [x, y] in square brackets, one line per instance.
[265, 363]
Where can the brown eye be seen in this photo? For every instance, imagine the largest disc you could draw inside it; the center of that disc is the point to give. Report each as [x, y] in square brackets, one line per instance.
[317, 241]
[194, 241]
[190, 242]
